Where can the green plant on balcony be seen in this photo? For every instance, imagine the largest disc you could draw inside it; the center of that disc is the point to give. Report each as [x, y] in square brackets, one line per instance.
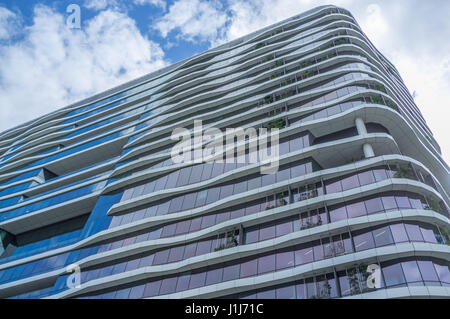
[259, 45]
[404, 171]
[379, 87]
[341, 41]
[287, 94]
[391, 104]
[278, 63]
[307, 74]
[326, 47]
[278, 123]
[310, 224]
[268, 99]
[305, 64]
[274, 76]
[434, 205]
[286, 82]
[230, 241]
[331, 55]
[277, 31]
[269, 57]
[446, 236]
[377, 99]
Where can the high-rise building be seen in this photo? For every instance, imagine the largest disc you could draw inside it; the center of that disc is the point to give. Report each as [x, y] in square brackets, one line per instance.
[93, 204]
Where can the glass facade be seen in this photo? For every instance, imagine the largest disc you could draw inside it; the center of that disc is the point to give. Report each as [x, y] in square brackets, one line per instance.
[359, 176]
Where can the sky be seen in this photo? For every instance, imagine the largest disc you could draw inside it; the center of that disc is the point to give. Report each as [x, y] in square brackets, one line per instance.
[45, 65]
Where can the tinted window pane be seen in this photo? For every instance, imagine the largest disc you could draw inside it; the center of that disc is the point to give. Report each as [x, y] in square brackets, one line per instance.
[285, 260]
[374, 205]
[214, 276]
[350, 182]
[249, 268]
[337, 214]
[197, 280]
[411, 271]
[393, 275]
[389, 203]
[266, 264]
[383, 237]
[304, 256]
[356, 210]
[428, 271]
[168, 286]
[399, 233]
[366, 178]
[414, 233]
[286, 292]
[363, 241]
[231, 272]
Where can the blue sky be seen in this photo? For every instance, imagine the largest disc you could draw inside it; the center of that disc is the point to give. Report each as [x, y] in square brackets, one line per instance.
[44, 65]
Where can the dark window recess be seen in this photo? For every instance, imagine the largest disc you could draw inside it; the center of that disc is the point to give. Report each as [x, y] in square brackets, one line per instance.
[7, 243]
[48, 174]
[376, 128]
[57, 229]
[336, 136]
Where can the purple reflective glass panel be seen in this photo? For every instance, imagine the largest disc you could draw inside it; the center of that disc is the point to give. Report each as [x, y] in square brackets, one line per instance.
[414, 232]
[366, 178]
[380, 174]
[183, 282]
[268, 294]
[122, 294]
[267, 233]
[338, 214]
[383, 237]
[252, 236]
[428, 235]
[283, 229]
[249, 268]
[214, 276]
[374, 205]
[356, 210]
[333, 187]
[389, 203]
[168, 286]
[190, 250]
[231, 272]
[266, 264]
[304, 256]
[300, 291]
[152, 289]
[411, 271]
[203, 247]
[428, 271]
[403, 202]
[197, 280]
[350, 182]
[176, 254]
[443, 273]
[285, 260]
[399, 233]
[393, 275]
[363, 241]
[195, 224]
[286, 292]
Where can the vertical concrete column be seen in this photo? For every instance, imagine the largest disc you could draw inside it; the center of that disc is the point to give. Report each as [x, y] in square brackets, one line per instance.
[368, 150]
[361, 127]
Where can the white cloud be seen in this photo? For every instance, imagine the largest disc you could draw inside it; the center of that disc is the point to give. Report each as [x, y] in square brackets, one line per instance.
[194, 19]
[157, 3]
[54, 65]
[7, 23]
[98, 4]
